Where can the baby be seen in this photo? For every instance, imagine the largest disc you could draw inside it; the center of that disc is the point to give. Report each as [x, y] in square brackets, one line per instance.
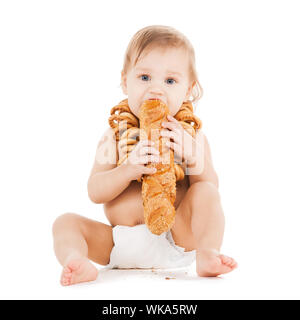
[159, 64]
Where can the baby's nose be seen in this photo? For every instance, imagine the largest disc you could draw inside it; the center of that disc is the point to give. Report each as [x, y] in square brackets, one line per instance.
[155, 90]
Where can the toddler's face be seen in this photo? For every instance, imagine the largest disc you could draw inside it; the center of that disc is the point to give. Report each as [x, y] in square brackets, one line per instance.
[161, 74]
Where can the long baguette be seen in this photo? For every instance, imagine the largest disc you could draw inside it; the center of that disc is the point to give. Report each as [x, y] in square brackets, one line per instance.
[158, 189]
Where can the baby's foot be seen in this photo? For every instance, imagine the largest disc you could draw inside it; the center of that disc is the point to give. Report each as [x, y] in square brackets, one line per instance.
[78, 270]
[211, 264]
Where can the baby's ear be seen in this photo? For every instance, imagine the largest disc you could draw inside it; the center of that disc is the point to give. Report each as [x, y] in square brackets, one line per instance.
[189, 91]
[124, 82]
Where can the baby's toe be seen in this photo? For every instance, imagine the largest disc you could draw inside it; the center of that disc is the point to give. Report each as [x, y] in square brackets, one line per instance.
[225, 259]
[228, 261]
[232, 263]
[66, 276]
[65, 281]
[67, 271]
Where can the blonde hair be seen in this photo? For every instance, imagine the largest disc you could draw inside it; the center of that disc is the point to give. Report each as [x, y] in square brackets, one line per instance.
[159, 36]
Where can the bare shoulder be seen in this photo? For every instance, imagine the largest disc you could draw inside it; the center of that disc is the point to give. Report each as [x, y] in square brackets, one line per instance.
[106, 153]
[107, 137]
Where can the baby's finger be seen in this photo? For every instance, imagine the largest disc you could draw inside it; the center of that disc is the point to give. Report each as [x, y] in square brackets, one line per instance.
[173, 145]
[146, 143]
[152, 150]
[171, 125]
[176, 148]
[170, 134]
[149, 150]
[154, 158]
[146, 159]
[149, 170]
[143, 143]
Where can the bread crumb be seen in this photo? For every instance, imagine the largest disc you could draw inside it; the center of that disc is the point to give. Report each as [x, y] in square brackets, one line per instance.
[167, 278]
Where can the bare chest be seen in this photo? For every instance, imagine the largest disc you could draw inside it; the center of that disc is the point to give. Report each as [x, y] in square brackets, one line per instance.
[127, 208]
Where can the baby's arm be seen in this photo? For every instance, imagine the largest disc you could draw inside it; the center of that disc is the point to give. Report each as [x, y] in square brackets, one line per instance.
[107, 185]
[107, 180]
[208, 173]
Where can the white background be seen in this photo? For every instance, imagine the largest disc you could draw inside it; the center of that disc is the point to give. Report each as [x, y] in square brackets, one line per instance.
[60, 65]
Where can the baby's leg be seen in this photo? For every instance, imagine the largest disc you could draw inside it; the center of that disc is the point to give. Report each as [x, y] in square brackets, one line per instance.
[199, 224]
[78, 239]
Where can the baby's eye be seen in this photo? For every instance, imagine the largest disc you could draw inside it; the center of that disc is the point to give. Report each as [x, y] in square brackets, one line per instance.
[145, 77]
[171, 79]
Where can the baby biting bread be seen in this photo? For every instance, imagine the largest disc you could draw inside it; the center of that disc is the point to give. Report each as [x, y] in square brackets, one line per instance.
[158, 189]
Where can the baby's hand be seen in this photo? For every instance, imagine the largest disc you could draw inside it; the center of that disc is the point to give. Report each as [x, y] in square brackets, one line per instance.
[139, 157]
[183, 143]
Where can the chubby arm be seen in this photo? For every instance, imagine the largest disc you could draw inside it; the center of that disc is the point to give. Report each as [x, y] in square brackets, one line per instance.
[203, 161]
[106, 180]
[107, 185]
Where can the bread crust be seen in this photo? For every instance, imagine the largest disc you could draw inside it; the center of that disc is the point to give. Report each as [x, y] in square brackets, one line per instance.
[158, 189]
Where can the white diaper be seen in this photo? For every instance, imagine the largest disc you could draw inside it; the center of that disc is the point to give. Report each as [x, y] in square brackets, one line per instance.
[138, 247]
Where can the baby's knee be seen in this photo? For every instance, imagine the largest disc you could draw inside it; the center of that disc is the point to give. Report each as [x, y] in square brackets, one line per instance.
[205, 190]
[66, 219]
